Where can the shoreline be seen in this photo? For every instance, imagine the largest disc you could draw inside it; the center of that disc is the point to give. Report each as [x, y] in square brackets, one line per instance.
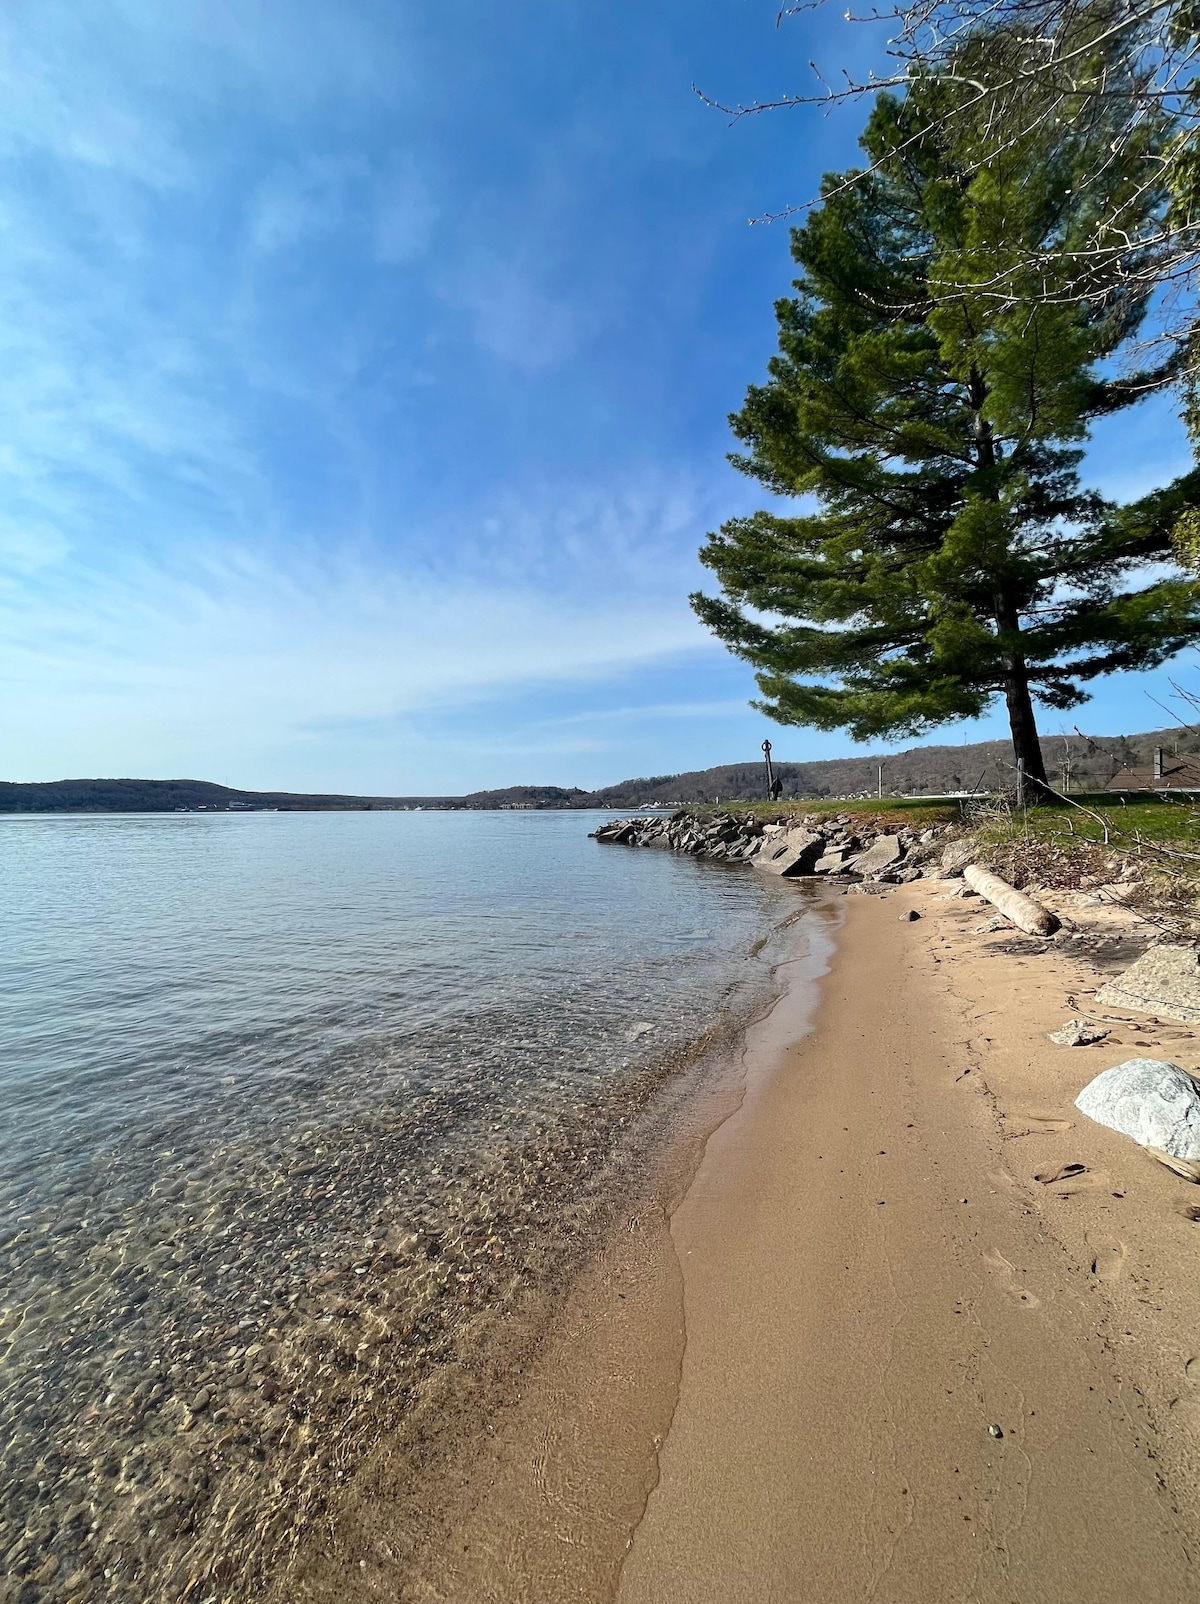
[212, 1324]
[538, 1499]
[395, 1529]
[782, 1385]
[874, 1280]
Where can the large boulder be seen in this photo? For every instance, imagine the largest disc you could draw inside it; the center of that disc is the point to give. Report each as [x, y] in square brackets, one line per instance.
[1165, 980]
[1156, 1103]
[955, 857]
[883, 854]
[620, 832]
[834, 859]
[797, 852]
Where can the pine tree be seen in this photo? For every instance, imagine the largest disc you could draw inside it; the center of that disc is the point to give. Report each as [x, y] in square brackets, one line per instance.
[952, 555]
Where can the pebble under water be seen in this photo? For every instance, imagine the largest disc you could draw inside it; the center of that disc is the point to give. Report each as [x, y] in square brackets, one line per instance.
[294, 1107]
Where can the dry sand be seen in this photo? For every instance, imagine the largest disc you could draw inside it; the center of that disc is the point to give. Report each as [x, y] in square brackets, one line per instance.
[781, 1384]
[874, 1279]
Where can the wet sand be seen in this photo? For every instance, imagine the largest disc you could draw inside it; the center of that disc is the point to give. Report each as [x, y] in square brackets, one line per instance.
[782, 1384]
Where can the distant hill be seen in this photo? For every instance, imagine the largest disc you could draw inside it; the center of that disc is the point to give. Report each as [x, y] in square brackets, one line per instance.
[167, 796]
[527, 796]
[1097, 763]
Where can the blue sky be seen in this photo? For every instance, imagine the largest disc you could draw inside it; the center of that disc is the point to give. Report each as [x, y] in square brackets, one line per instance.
[364, 383]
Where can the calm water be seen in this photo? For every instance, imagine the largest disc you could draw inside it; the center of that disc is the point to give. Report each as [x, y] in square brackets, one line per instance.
[289, 1103]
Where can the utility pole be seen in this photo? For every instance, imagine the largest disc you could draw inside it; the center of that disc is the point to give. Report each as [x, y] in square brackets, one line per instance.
[881, 782]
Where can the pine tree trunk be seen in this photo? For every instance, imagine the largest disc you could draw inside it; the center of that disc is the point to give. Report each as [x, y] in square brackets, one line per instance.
[1024, 727]
[1021, 720]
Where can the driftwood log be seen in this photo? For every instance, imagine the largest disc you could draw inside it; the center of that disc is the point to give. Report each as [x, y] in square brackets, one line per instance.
[1024, 911]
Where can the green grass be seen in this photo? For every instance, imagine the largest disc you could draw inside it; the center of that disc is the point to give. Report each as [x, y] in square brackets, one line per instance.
[1129, 817]
[1152, 846]
[916, 812]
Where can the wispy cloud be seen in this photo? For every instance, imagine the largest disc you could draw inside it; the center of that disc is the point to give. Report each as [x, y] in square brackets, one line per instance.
[360, 370]
[384, 210]
[516, 315]
[217, 649]
[405, 212]
[647, 713]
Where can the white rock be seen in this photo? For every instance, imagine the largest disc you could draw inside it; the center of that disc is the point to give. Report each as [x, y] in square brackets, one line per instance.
[1165, 980]
[1156, 1103]
[1077, 1033]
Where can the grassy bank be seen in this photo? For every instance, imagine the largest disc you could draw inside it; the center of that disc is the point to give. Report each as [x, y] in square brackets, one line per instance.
[918, 813]
[1141, 849]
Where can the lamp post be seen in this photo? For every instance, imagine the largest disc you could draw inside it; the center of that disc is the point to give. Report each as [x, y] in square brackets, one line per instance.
[766, 746]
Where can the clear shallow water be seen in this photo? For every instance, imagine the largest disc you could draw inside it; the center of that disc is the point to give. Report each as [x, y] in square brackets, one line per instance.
[190, 970]
[290, 1104]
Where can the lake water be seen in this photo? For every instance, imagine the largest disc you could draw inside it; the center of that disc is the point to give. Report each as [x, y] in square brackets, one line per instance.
[289, 1103]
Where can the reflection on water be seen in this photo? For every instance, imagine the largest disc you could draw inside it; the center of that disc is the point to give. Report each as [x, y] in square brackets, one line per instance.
[292, 1105]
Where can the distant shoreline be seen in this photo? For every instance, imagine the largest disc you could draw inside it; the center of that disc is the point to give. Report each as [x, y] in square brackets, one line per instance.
[1079, 762]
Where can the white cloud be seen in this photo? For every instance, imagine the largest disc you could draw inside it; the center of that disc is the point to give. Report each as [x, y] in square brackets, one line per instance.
[296, 203]
[213, 654]
[405, 213]
[648, 712]
[384, 212]
[515, 316]
[116, 85]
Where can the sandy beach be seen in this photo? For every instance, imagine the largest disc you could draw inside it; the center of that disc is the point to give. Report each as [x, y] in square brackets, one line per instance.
[874, 1279]
[857, 1347]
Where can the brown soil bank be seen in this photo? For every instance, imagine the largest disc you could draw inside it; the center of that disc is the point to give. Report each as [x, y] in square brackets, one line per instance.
[870, 1353]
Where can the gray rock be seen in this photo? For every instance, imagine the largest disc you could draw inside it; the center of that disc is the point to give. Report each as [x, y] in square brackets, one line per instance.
[1156, 1103]
[618, 834]
[1077, 1033]
[955, 858]
[1165, 980]
[832, 861]
[797, 852]
[885, 853]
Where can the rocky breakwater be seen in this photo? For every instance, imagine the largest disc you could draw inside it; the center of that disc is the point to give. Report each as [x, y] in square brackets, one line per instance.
[840, 846]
